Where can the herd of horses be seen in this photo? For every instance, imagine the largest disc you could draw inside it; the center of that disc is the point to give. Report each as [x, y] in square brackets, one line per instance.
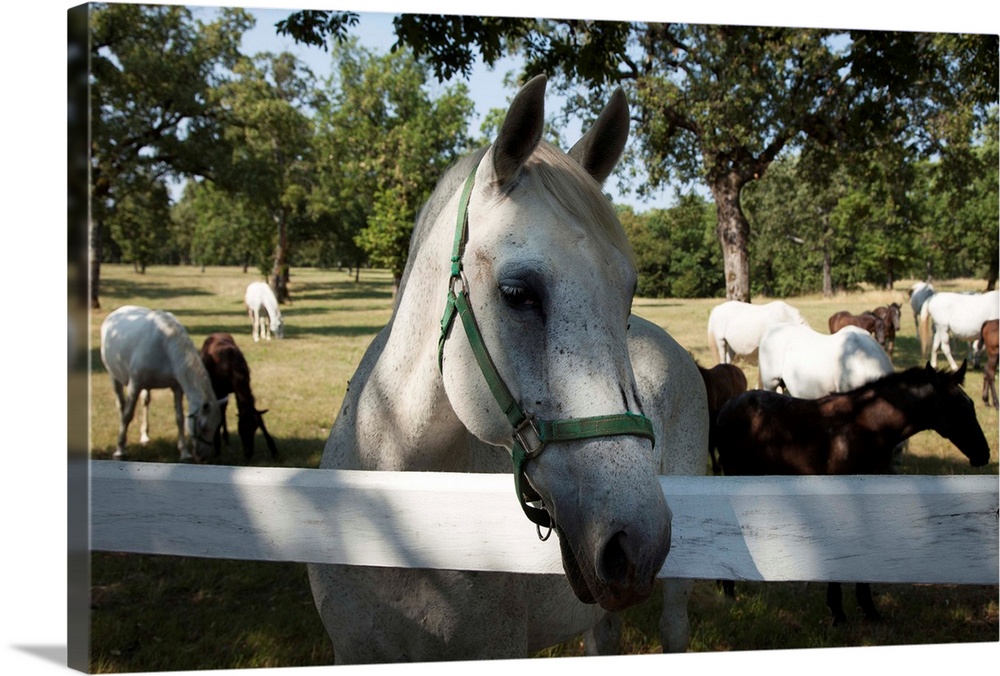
[144, 349]
[843, 409]
[512, 348]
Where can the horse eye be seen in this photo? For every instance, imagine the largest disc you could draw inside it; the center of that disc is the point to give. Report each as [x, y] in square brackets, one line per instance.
[518, 296]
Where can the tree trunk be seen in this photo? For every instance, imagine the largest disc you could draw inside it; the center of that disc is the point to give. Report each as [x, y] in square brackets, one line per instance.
[827, 274]
[279, 273]
[733, 231]
[95, 263]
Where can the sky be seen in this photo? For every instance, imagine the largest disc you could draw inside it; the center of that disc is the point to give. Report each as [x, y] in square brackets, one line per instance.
[33, 125]
[486, 86]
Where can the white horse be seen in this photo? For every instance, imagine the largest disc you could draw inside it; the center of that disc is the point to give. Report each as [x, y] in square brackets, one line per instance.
[919, 293]
[514, 306]
[955, 314]
[810, 365]
[259, 299]
[145, 349]
[735, 327]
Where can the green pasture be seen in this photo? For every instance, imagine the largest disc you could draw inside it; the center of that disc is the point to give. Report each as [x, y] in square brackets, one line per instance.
[152, 613]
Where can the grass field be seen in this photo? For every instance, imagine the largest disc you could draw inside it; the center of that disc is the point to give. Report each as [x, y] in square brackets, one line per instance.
[152, 613]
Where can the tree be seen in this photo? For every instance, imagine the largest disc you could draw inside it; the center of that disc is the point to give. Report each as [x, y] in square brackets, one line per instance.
[140, 221]
[383, 143]
[272, 140]
[151, 72]
[675, 255]
[718, 104]
[224, 228]
[961, 232]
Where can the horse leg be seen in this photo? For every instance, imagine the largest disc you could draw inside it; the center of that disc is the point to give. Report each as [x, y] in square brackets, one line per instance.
[126, 409]
[863, 593]
[604, 638]
[267, 437]
[989, 382]
[945, 342]
[975, 349]
[835, 602]
[182, 445]
[144, 398]
[221, 434]
[254, 325]
[675, 631]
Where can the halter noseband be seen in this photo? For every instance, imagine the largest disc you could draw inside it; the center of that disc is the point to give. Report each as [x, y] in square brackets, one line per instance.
[530, 434]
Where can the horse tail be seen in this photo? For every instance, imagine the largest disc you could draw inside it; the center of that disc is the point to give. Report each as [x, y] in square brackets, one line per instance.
[924, 327]
[713, 347]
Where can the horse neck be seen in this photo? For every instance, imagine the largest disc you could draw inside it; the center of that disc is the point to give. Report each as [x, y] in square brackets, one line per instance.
[189, 370]
[271, 307]
[404, 387]
[240, 383]
[907, 406]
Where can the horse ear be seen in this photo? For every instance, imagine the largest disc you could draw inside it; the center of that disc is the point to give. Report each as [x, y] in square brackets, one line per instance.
[521, 131]
[959, 376]
[599, 150]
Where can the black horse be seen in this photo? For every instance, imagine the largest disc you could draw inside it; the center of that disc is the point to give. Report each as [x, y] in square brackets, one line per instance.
[230, 374]
[855, 432]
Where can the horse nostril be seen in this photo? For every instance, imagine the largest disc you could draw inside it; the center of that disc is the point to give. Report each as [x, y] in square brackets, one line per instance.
[614, 565]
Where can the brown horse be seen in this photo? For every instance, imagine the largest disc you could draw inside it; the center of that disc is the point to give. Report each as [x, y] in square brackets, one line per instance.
[722, 383]
[988, 339]
[762, 432]
[890, 315]
[866, 320]
[230, 374]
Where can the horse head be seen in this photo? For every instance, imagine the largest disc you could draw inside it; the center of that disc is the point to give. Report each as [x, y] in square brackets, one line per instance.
[249, 422]
[548, 278]
[953, 415]
[202, 423]
[879, 326]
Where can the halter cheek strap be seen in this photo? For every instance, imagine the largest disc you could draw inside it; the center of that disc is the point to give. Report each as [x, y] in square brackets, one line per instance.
[530, 435]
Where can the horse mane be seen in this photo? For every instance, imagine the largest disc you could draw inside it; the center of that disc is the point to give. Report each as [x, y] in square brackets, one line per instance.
[185, 356]
[240, 379]
[912, 377]
[576, 192]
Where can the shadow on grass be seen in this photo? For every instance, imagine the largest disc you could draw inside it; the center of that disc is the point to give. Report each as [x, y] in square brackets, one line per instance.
[295, 452]
[331, 331]
[125, 288]
[343, 290]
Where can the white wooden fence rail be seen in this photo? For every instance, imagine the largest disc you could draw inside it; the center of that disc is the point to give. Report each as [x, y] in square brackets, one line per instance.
[916, 529]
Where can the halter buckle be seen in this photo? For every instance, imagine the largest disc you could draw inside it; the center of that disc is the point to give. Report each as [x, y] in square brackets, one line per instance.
[458, 284]
[529, 437]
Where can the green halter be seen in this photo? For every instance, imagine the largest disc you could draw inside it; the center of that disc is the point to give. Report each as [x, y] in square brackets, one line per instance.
[530, 435]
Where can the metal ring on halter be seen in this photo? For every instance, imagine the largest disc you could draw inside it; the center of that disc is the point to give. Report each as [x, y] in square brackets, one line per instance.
[530, 438]
[538, 529]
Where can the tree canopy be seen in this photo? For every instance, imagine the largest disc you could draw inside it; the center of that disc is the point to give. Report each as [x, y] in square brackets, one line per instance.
[818, 159]
[718, 104]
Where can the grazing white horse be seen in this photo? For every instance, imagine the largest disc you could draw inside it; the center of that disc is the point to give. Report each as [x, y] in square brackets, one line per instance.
[810, 365]
[919, 293]
[260, 299]
[145, 349]
[955, 314]
[735, 327]
[514, 306]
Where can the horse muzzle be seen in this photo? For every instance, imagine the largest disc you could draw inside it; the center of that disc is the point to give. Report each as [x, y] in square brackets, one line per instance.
[613, 542]
[620, 573]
